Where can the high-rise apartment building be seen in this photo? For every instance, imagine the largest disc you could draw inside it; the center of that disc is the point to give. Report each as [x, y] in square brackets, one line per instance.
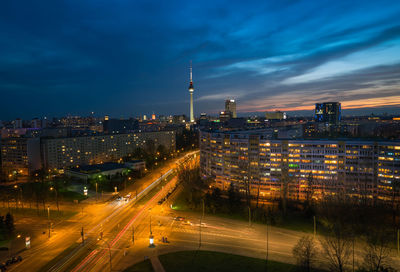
[328, 112]
[230, 106]
[24, 155]
[357, 168]
[20, 155]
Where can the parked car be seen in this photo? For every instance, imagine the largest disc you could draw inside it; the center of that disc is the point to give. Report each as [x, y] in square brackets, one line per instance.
[13, 260]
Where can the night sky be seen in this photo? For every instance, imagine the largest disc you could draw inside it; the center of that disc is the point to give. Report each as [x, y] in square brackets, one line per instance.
[125, 58]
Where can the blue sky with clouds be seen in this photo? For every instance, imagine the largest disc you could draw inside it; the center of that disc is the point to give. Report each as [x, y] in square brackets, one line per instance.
[126, 58]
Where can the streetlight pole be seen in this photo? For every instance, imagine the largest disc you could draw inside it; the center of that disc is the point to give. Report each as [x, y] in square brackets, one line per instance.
[55, 190]
[96, 192]
[249, 217]
[20, 189]
[398, 241]
[48, 217]
[201, 219]
[315, 227]
[151, 237]
[266, 258]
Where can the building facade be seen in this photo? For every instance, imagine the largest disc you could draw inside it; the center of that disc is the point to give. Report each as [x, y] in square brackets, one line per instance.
[326, 167]
[230, 106]
[62, 153]
[275, 115]
[328, 113]
[20, 156]
[25, 155]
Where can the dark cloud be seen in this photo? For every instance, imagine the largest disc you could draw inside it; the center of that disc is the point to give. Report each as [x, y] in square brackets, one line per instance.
[131, 57]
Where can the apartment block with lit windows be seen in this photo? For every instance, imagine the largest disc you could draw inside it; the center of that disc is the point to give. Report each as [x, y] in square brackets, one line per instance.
[366, 169]
[62, 153]
[22, 156]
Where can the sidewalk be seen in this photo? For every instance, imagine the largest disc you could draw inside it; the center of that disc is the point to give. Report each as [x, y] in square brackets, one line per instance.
[157, 266]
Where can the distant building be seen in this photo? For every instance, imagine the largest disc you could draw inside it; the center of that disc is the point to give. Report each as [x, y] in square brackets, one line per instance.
[112, 126]
[203, 116]
[138, 165]
[179, 119]
[17, 123]
[230, 106]
[225, 116]
[36, 123]
[328, 113]
[275, 115]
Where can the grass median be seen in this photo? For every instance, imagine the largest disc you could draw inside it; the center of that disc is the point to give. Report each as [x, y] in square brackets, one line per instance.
[212, 262]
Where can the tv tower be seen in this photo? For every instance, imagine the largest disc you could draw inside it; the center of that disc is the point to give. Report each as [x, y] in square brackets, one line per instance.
[191, 90]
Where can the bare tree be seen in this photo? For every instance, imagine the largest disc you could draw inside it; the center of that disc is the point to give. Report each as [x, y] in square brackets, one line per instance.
[395, 204]
[377, 252]
[337, 248]
[305, 253]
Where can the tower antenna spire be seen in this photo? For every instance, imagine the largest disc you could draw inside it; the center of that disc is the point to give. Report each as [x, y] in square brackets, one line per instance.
[191, 90]
[191, 77]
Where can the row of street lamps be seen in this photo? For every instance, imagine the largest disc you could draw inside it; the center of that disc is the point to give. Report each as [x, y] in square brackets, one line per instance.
[21, 199]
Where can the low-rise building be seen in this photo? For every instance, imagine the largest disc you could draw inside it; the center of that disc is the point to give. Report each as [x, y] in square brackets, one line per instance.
[88, 172]
[137, 165]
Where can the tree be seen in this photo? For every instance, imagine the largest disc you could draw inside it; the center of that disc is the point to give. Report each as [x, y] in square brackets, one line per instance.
[377, 251]
[233, 197]
[337, 248]
[150, 147]
[9, 224]
[3, 230]
[337, 215]
[305, 253]
[395, 192]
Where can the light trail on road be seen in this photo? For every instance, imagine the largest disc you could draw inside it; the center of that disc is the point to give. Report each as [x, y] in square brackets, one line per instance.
[100, 254]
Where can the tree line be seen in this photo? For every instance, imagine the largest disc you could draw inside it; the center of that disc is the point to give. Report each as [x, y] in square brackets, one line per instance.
[344, 222]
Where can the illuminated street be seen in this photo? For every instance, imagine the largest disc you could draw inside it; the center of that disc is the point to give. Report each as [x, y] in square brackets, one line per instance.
[109, 217]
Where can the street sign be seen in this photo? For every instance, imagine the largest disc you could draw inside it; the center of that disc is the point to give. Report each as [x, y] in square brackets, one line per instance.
[28, 242]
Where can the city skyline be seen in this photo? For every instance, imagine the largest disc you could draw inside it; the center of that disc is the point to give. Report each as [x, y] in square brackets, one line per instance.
[64, 58]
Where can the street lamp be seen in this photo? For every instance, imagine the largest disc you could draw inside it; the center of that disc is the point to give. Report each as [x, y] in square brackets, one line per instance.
[151, 237]
[96, 191]
[48, 217]
[54, 189]
[20, 189]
